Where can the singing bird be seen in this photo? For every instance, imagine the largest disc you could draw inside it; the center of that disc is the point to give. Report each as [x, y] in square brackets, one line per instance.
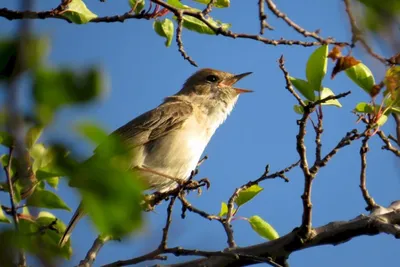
[168, 141]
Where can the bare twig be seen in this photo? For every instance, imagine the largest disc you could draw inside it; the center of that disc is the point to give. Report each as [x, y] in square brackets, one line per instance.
[263, 17]
[271, 5]
[289, 86]
[163, 243]
[93, 251]
[363, 175]
[179, 18]
[388, 145]
[357, 35]
[209, 7]
[318, 132]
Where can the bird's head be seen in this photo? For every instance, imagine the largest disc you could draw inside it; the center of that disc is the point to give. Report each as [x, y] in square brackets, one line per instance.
[214, 84]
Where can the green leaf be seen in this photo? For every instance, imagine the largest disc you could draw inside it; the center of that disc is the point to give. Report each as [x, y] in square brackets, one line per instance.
[55, 88]
[218, 3]
[104, 197]
[53, 182]
[3, 217]
[224, 209]
[92, 132]
[78, 13]
[362, 76]
[328, 92]
[196, 25]
[303, 87]
[137, 5]
[298, 109]
[364, 107]
[316, 67]
[178, 4]
[46, 199]
[165, 29]
[36, 48]
[382, 119]
[14, 164]
[6, 139]
[247, 194]
[263, 228]
[33, 135]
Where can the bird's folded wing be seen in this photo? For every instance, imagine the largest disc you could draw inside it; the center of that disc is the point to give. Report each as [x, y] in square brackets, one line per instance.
[155, 123]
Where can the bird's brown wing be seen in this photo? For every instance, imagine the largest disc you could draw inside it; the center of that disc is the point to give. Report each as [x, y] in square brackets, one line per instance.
[155, 123]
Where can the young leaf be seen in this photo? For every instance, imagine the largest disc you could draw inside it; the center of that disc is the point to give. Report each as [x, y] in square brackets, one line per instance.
[316, 67]
[6, 139]
[46, 199]
[177, 4]
[362, 76]
[3, 217]
[247, 194]
[328, 92]
[224, 209]
[137, 5]
[382, 119]
[298, 109]
[263, 228]
[196, 25]
[364, 107]
[218, 3]
[165, 29]
[77, 12]
[92, 132]
[303, 87]
[33, 135]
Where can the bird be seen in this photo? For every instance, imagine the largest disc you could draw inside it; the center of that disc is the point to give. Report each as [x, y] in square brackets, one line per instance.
[168, 141]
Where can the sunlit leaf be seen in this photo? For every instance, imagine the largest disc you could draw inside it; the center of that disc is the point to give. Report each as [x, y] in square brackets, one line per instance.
[333, 102]
[164, 28]
[364, 107]
[316, 67]
[46, 199]
[247, 194]
[177, 4]
[33, 135]
[303, 87]
[196, 25]
[382, 119]
[92, 132]
[224, 209]
[77, 12]
[362, 76]
[263, 228]
[137, 5]
[218, 3]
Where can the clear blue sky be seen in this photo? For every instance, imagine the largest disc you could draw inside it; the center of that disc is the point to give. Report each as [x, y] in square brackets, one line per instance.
[261, 130]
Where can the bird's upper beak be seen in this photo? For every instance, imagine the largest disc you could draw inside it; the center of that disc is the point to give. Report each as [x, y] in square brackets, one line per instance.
[231, 81]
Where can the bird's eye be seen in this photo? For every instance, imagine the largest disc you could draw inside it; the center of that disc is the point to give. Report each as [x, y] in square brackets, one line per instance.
[212, 78]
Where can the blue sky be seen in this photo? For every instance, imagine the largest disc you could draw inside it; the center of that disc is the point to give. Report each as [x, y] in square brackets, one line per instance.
[261, 130]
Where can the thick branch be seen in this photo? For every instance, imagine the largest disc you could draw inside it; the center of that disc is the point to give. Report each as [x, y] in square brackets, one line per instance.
[333, 233]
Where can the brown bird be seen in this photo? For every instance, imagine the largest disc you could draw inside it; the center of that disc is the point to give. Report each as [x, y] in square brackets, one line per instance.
[169, 140]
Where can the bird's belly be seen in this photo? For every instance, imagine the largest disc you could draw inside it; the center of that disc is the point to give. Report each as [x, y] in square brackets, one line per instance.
[175, 155]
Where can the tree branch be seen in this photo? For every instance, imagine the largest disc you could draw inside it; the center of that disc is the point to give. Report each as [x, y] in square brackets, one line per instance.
[333, 233]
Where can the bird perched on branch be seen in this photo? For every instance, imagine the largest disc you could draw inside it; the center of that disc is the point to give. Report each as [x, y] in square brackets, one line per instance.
[169, 140]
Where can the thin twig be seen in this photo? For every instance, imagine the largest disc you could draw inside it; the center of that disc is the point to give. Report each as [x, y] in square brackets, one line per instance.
[318, 132]
[271, 5]
[263, 17]
[163, 243]
[363, 175]
[94, 251]
[289, 86]
[179, 42]
[357, 35]
[388, 145]
[209, 7]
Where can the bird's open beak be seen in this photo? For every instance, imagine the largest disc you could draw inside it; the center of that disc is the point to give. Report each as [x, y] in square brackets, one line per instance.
[235, 79]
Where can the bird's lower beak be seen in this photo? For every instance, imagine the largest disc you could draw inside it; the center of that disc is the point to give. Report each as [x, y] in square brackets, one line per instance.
[235, 79]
